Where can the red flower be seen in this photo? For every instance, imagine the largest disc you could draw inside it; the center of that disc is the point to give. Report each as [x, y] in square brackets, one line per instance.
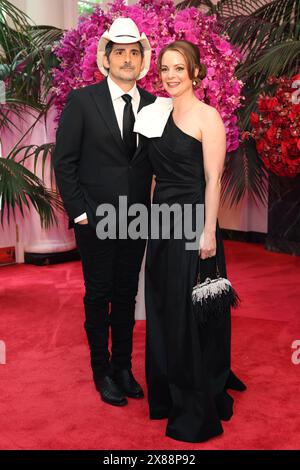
[245, 135]
[254, 118]
[267, 104]
[276, 128]
[260, 145]
[284, 148]
[271, 134]
[271, 103]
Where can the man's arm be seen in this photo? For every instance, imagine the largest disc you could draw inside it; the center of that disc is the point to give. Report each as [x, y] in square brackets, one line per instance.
[67, 155]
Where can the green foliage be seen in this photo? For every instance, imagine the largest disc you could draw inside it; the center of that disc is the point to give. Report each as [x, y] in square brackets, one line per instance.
[86, 7]
[26, 62]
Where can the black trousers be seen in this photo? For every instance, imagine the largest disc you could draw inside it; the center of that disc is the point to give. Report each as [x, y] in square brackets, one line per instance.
[111, 272]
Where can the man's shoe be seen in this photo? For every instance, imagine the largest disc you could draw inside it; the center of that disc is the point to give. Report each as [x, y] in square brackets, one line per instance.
[127, 383]
[109, 391]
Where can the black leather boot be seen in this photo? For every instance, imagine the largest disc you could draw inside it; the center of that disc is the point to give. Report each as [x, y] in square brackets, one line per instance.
[127, 383]
[109, 391]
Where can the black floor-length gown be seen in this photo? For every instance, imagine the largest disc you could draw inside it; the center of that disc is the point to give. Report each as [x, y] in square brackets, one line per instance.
[187, 366]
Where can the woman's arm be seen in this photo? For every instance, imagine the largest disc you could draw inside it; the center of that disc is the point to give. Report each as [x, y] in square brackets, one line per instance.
[214, 152]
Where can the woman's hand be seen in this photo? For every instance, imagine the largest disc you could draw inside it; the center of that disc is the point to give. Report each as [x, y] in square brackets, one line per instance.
[207, 245]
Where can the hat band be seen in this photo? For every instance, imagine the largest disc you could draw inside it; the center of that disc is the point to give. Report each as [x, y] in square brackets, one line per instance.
[125, 36]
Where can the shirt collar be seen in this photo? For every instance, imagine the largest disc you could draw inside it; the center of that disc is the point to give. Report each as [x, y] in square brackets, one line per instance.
[116, 92]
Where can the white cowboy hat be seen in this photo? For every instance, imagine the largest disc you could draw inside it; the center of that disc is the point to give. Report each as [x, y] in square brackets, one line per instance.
[124, 31]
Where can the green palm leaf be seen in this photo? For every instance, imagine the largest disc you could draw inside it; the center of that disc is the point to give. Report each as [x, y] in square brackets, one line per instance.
[26, 60]
[244, 174]
[19, 21]
[41, 154]
[207, 4]
[26, 63]
[274, 11]
[21, 188]
[276, 60]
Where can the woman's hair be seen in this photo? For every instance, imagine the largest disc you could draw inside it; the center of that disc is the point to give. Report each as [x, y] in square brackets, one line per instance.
[191, 54]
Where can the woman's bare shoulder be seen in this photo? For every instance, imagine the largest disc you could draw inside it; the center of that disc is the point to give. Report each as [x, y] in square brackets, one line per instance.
[209, 118]
[210, 122]
[205, 110]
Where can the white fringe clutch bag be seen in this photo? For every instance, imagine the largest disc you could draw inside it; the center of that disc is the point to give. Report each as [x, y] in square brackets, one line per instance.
[213, 297]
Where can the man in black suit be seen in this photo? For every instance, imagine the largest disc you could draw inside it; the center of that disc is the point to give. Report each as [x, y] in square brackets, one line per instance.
[98, 158]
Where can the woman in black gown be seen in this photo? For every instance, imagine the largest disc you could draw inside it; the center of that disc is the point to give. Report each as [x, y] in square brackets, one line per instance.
[187, 367]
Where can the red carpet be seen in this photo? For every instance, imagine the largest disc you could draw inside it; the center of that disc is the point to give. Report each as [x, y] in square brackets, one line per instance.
[48, 400]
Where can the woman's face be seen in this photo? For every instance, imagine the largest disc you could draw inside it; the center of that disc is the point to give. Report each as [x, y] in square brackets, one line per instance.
[174, 74]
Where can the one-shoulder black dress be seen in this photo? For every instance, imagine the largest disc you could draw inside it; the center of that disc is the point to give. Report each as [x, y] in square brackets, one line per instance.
[187, 366]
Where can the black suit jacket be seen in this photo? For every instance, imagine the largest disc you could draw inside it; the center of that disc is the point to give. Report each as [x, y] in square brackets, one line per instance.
[90, 160]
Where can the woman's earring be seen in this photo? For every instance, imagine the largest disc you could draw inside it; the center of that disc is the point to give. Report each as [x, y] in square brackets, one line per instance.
[194, 83]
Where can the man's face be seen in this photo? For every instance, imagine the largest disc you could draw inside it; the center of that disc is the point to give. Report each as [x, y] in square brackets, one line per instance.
[124, 63]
